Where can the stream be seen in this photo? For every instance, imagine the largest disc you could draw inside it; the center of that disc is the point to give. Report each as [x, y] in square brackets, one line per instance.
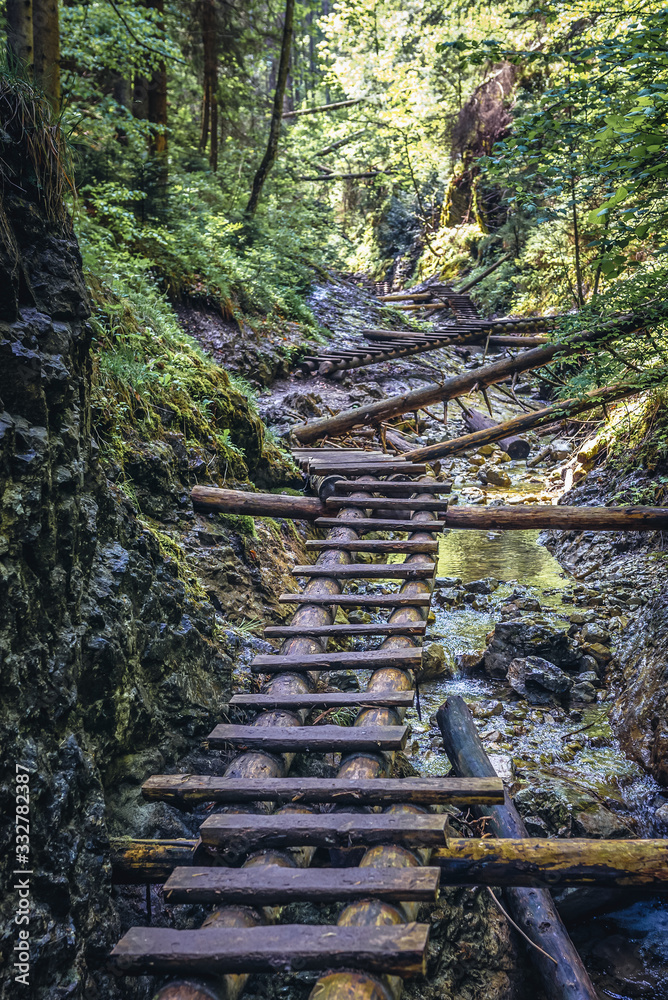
[567, 752]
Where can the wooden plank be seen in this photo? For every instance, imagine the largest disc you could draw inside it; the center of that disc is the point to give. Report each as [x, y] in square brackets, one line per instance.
[272, 885]
[366, 524]
[375, 503]
[370, 571]
[372, 545]
[134, 862]
[326, 699]
[361, 600]
[370, 659]
[368, 468]
[523, 517]
[399, 949]
[243, 832]
[392, 489]
[186, 790]
[317, 739]
[333, 631]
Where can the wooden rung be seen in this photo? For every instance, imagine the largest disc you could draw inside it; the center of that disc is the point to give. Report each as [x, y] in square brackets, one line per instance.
[370, 659]
[371, 545]
[329, 467]
[244, 832]
[376, 503]
[380, 628]
[319, 739]
[269, 885]
[360, 600]
[370, 571]
[398, 949]
[187, 790]
[366, 524]
[326, 699]
[392, 489]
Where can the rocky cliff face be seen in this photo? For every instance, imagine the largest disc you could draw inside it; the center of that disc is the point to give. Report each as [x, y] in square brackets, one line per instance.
[105, 652]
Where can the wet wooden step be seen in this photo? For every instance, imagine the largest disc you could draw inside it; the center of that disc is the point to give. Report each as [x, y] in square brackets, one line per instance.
[239, 833]
[326, 699]
[377, 503]
[360, 600]
[364, 468]
[372, 545]
[187, 790]
[272, 885]
[370, 659]
[392, 489]
[370, 571]
[399, 949]
[314, 739]
[366, 524]
[341, 631]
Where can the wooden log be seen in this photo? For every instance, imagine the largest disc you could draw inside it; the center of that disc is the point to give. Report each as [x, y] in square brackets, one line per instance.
[533, 909]
[404, 659]
[231, 833]
[143, 951]
[326, 467]
[134, 862]
[371, 571]
[547, 864]
[517, 447]
[526, 516]
[343, 631]
[272, 886]
[392, 488]
[380, 503]
[402, 296]
[526, 421]
[460, 385]
[304, 739]
[373, 545]
[367, 524]
[326, 699]
[208, 499]
[361, 600]
[187, 790]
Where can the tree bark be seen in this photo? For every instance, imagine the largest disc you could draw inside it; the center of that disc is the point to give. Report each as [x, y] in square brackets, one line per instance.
[46, 41]
[516, 447]
[277, 112]
[210, 83]
[533, 909]
[20, 52]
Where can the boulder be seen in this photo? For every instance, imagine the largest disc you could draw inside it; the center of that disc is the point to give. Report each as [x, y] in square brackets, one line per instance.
[469, 663]
[433, 663]
[594, 633]
[485, 586]
[519, 639]
[569, 809]
[538, 680]
[583, 691]
[494, 476]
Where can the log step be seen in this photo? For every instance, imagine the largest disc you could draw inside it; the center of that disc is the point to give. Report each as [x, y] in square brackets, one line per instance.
[329, 467]
[341, 631]
[370, 659]
[392, 489]
[360, 600]
[376, 503]
[187, 790]
[326, 699]
[373, 571]
[272, 885]
[319, 739]
[365, 524]
[240, 833]
[372, 545]
[400, 949]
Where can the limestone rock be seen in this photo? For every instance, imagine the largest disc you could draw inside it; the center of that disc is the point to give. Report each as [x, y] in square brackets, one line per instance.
[433, 663]
[517, 638]
[538, 680]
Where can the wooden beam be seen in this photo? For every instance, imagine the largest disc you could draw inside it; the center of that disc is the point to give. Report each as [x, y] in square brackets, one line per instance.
[392, 488]
[275, 885]
[243, 832]
[400, 950]
[379, 503]
[404, 659]
[326, 699]
[316, 739]
[208, 499]
[373, 545]
[366, 524]
[524, 516]
[361, 600]
[343, 631]
[370, 571]
[187, 790]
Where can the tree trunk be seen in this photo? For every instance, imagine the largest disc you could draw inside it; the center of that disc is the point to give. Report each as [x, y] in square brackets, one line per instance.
[20, 52]
[516, 447]
[157, 108]
[46, 40]
[275, 127]
[210, 88]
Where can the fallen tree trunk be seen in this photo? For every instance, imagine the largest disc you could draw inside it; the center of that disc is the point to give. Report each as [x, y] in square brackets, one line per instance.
[518, 425]
[460, 385]
[209, 499]
[533, 909]
[517, 447]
